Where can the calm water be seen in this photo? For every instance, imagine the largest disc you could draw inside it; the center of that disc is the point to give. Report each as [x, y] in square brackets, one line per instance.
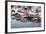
[18, 24]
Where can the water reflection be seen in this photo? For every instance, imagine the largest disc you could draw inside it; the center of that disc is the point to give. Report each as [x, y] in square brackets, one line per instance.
[18, 24]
